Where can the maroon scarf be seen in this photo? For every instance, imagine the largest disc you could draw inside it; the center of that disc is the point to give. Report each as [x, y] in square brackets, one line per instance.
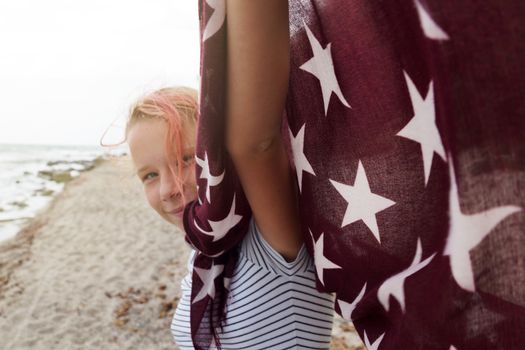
[407, 128]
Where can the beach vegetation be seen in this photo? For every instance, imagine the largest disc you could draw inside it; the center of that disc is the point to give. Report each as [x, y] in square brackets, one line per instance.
[19, 204]
[97, 161]
[56, 176]
[63, 176]
[45, 192]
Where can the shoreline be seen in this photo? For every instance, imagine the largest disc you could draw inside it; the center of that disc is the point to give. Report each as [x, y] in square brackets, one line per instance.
[97, 268]
[15, 250]
[92, 270]
[31, 180]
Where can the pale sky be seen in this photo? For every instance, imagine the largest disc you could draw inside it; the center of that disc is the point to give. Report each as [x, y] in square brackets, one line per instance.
[69, 68]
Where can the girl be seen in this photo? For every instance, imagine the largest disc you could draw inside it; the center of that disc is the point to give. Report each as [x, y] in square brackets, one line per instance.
[273, 303]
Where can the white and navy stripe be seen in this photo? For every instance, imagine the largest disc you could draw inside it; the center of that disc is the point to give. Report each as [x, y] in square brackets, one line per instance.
[272, 304]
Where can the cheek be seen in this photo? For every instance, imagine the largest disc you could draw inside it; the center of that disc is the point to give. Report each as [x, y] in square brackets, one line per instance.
[152, 196]
[190, 194]
[190, 185]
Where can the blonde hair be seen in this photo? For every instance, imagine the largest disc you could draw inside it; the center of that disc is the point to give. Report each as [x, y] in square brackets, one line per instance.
[177, 106]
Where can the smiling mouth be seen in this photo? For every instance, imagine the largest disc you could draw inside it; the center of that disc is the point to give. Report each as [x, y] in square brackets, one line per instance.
[177, 212]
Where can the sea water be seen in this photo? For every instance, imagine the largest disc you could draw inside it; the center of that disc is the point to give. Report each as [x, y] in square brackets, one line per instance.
[31, 175]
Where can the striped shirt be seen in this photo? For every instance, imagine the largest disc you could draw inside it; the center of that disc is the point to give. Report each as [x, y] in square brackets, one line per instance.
[272, 303]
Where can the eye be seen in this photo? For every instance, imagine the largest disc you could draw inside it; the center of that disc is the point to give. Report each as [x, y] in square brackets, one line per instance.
[149, 176]
[188, 159]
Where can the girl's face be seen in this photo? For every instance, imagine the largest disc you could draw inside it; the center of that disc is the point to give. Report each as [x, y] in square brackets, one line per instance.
[146, 140]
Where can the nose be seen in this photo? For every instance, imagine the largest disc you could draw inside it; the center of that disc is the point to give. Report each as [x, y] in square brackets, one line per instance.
[167, 188]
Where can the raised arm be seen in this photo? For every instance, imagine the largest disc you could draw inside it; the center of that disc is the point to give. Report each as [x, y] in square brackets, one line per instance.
[258, 71]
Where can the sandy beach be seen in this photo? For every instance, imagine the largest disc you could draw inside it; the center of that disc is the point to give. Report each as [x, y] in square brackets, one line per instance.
[98, 269]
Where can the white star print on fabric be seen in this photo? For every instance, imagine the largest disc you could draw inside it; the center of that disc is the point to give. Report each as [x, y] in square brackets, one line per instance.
[362, 203]
[206, 174]
[217, 18]
[227, 281]
[452, 347]
[199, 198]
[376, 344]
[216, 255]
[430, 28]
[219, 229]
[422, 127]
[207, 277]
[299, 158]
[322, 67]
[321, 262]
[348, 308]
[213, 344]
[395, 285]
[467, 231]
